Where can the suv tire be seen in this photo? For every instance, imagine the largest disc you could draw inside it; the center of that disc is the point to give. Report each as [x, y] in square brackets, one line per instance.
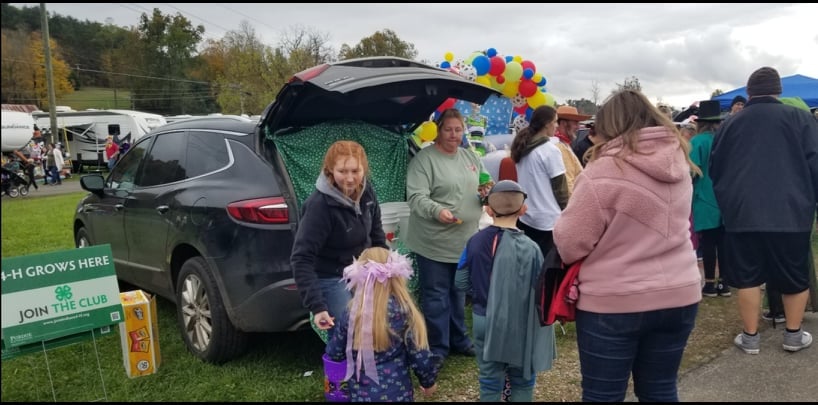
[203, 321]
[81, 238]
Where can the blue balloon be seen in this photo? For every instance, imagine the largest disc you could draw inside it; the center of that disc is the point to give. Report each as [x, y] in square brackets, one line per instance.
[509, 59]
[528, 73]
[481, 64]
[445, 65]
[528, 114]
[542, 82]
[491, 52]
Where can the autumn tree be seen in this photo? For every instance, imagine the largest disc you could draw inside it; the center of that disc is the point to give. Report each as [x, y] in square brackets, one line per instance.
[631, 83]
[716, 93]
[381, 43]
[15, 69]
[166, 47]
[304, 48]
[244, 71]
[595, 95]
[583, 106]
[23, 69]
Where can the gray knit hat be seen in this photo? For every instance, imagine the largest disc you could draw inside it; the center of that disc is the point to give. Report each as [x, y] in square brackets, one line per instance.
[764, 82]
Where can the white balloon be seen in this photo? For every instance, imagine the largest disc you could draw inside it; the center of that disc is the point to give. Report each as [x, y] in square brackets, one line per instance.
[519, 123]
[468, 72]
[518, 100]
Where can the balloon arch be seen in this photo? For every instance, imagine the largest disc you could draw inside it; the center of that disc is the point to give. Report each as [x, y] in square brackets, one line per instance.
[516, 78]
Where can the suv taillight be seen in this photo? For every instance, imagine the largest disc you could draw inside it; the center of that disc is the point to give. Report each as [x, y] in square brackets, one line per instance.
[272, 210]
[310, 73]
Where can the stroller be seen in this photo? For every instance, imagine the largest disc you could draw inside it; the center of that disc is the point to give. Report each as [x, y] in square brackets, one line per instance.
[13, 183]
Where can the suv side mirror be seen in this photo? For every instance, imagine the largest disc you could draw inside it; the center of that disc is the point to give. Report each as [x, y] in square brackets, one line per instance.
[94, 183]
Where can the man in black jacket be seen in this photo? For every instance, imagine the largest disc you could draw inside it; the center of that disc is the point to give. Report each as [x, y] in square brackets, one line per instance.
[764, 167]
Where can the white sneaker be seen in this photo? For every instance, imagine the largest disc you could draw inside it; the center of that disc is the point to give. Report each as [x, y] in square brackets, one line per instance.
[748, 343]
[795, 341]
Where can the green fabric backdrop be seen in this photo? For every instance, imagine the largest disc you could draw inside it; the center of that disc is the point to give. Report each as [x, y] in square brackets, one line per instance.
[387, 152]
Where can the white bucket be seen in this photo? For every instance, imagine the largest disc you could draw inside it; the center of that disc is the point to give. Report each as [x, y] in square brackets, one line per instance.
[390, 229]
[400, 211]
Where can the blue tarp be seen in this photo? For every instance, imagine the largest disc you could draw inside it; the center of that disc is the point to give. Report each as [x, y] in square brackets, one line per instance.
[792, 86]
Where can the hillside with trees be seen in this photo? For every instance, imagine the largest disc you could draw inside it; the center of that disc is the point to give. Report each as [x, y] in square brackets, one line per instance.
[164, 62]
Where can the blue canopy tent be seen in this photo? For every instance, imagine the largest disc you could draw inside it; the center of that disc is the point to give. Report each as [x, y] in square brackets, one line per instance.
[792, 86]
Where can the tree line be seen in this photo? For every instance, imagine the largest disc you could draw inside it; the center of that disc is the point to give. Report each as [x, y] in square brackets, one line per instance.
[165, 62]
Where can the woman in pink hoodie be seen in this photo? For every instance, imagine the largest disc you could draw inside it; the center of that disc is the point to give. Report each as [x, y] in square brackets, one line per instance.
[628, 220]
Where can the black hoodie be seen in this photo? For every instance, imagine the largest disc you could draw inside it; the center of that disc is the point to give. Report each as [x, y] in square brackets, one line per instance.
[333, 231]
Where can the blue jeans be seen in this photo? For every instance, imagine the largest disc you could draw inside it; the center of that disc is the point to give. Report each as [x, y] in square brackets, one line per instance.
[648, 344]
[54, 174]
[443, 306]
[492, 374]
[336, 295]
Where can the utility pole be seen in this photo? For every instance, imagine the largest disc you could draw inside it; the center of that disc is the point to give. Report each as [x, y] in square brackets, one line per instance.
[52, 98]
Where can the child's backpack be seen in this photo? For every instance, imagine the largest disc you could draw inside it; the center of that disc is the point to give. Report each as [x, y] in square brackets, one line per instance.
[557, 290]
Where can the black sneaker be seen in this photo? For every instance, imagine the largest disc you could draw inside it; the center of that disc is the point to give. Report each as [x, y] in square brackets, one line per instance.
[468, 351]
[777, 318]
[723, 290]
[709, 290]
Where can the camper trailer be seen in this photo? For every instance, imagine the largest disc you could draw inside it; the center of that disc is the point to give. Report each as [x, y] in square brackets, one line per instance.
[84, 132]
[18, 128]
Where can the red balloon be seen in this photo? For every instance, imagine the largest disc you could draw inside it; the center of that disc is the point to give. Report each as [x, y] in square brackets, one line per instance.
[527, 88]
[449, 103]
[501, 79]
[498, 66]
[521, 109]
[527, 64]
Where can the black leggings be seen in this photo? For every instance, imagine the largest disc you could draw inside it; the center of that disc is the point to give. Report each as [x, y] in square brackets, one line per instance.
[711, 242]
[544, 239]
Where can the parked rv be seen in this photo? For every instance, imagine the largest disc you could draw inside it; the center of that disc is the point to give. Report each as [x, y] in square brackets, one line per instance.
[84, 132]
[18, 128]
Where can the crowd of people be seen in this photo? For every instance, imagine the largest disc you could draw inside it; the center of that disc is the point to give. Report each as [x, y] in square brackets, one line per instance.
[636, 202]
[38, 160]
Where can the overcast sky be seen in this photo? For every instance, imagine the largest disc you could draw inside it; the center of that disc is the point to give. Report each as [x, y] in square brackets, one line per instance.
[679, 52]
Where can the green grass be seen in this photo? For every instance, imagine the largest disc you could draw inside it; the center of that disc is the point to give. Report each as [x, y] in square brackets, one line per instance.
[274, 369]
[97, 97]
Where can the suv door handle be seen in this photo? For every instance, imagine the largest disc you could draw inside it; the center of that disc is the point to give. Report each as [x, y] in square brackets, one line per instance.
[162, 209]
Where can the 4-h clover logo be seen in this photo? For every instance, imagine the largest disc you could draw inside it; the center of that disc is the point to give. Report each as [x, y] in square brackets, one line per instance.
[63, 293]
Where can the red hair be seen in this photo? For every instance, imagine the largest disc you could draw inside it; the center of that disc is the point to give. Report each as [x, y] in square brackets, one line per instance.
[343, 150]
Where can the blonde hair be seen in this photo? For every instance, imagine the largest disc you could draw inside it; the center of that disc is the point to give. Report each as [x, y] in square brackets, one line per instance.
[450, 113]
[393, 287]
[623, 115]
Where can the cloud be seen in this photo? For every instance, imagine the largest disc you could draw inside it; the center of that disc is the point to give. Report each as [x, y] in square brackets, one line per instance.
[679, 52]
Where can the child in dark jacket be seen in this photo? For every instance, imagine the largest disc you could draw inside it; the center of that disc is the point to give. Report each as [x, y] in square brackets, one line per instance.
[382, 335]
[500, 267]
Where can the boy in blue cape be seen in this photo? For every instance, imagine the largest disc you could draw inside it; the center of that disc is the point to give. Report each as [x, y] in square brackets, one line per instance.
[499, 267]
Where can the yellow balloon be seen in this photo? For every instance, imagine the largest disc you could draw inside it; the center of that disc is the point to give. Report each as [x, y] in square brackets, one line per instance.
[510, 89]
[536, 78]
[448, 56]
[484, 80]
[536, 100]
[494, 84]
[513, 72]
[549, 100]
[517, 58]
[428, 131]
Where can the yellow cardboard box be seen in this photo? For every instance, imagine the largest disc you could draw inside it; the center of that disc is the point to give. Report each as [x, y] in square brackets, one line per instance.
[139, 333]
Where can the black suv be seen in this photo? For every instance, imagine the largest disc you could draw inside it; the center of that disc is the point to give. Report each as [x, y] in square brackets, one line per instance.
[203, 211]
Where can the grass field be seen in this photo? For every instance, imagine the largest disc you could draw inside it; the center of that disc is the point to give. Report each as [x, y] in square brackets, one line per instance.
[97, 97]
[279, 367]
